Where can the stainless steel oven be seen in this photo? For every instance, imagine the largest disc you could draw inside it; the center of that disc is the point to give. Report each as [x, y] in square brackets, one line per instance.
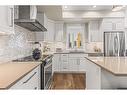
[46, 73]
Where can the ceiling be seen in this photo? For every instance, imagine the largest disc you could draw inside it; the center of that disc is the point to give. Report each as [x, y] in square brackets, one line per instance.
[54, 12]
[87, 8]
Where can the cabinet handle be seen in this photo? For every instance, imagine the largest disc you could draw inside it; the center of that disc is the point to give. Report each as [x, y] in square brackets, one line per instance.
[11, 9]
[29, 78]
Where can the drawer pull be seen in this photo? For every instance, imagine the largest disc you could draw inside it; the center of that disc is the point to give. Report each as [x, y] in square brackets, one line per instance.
[29, 78]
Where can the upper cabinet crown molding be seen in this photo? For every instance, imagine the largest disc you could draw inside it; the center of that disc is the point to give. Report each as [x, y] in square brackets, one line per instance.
[6, 20]
[92, 14]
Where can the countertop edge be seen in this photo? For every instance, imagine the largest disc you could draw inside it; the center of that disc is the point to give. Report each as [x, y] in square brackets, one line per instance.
[114, 73]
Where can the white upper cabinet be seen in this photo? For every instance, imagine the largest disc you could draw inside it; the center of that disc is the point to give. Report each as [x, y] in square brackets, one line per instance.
[45, 21]
[113, 24]
[49, 34]
[6, 20]
[95, 35]
[59, 32]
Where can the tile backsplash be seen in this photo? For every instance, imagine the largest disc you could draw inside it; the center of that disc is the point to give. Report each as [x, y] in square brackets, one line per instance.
[16, 45]
[89, 47]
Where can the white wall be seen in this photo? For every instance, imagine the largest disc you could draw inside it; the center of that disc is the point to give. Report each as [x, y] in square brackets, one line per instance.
[15, 46]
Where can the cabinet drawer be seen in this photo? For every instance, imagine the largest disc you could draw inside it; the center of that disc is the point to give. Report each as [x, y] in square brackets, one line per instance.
[64, 66]
[64, 55]
[77, 55]
[30, 81]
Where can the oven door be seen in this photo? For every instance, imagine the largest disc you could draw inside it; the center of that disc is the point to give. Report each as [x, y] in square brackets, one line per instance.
[47, 75]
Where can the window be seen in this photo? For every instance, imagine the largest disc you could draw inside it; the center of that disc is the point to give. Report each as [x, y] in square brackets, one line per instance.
[75, 36]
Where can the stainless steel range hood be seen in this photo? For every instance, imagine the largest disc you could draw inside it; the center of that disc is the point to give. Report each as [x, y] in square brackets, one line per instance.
[27, 17]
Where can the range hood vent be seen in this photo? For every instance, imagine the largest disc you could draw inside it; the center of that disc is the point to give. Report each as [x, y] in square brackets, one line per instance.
[27, 17]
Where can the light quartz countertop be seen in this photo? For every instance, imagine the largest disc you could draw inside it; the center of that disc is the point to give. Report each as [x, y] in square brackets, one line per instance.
[115, 65]
[11, 72]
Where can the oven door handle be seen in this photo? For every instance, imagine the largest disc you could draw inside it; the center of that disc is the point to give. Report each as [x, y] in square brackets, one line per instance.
[47, 65]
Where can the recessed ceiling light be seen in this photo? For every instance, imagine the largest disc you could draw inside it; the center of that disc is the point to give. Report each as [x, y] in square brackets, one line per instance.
[94, 6]
[117, 8]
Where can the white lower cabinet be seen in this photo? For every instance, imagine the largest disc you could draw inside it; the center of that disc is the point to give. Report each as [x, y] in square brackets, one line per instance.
[73, 64]
[56, 62]
[77, 63]
[93, 76]
[68, 62]
[83, 65]
[64, 65]
[30, 81]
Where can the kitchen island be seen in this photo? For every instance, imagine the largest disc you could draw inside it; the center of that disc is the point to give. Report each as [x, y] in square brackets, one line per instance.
[113, 71]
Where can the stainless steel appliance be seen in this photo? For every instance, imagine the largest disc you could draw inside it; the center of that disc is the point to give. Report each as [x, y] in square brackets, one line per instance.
[27, 17]
[114, 43]
[46, 73]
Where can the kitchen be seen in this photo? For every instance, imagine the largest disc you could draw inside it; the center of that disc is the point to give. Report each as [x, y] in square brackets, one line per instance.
[53, 47]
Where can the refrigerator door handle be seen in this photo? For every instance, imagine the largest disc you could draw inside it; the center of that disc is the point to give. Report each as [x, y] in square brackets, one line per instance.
[116, 45]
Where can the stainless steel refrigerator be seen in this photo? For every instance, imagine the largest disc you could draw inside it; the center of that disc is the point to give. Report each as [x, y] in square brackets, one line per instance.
[114, 43]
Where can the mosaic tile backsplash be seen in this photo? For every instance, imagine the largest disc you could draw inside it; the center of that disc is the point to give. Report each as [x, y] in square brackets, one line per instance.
[15, 46]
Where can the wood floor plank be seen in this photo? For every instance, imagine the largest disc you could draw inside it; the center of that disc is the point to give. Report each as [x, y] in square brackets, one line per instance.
[69, 81]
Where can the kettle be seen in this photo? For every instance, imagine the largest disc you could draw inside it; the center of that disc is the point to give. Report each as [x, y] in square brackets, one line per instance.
[36, 54]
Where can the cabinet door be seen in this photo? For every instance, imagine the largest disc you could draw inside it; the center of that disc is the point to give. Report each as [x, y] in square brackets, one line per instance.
[58, 32]
[113, 24]
[49, 35]
[6, 20]
[119, 23]
[56, 62]
[83, 65]
[73, 64]
[95, 33]
[64, 66]
[107, 25]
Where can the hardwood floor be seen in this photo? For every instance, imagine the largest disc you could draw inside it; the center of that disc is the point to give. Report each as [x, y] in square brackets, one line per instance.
[69, 81]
